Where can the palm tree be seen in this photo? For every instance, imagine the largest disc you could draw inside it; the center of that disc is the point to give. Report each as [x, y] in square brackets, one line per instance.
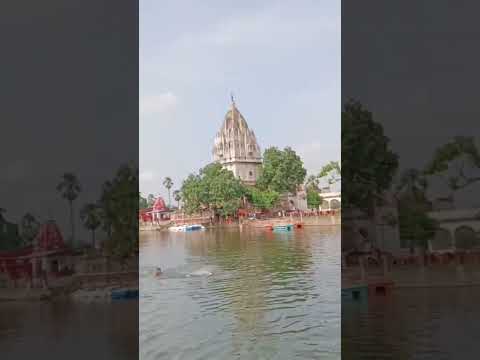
[177, 196]
[168, 183]
[69, 188]
[92, 218]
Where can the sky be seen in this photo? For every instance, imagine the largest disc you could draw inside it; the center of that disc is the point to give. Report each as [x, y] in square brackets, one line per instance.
[414, 65]
[69, 94]
[280, 59]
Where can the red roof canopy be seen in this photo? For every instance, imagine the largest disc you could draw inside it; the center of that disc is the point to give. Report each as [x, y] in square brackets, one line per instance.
[49, 237]
[159, 205]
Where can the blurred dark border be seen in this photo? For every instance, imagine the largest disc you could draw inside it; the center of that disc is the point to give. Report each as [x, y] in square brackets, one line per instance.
[410, 179]
[69, 179]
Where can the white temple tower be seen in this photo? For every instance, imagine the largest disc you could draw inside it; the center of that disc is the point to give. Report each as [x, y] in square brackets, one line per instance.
[236, 147]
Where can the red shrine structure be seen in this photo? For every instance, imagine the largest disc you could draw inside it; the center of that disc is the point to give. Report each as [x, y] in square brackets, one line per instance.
[158, 212]
[34, 265]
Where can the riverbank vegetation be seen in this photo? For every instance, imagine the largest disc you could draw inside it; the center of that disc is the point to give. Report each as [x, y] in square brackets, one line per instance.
[115, 212]
[370, 171]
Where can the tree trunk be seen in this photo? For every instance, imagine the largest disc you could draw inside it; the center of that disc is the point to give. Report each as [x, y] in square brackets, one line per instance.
[72, 224]
[372, 234]
[169, 200]
[93, 238]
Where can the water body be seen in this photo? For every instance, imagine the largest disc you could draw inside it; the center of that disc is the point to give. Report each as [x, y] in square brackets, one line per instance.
[428, 323]
[269, 295]
[69, 330]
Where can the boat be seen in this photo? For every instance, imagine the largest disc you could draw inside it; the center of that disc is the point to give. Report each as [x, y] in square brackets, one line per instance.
[123, 294]
[287, 227]
[185, 228]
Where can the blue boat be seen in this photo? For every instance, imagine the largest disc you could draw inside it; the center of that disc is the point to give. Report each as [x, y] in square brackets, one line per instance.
[355, 293]
[283, 228]
[124, 294]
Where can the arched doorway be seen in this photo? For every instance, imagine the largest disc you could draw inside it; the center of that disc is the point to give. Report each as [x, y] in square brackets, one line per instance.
[465, 238]
[325, 205]
[442, 240]
[334, 204]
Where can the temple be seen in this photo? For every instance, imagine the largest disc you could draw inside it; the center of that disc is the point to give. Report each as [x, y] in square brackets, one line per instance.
[236, 147]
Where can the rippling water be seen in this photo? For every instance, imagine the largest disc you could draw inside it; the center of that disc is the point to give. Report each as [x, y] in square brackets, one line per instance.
[428, 323]
[270, 296]
[67, 330]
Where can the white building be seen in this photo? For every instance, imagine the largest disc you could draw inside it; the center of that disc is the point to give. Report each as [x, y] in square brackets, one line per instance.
[330, 200]
[458, 229]
[236, 147]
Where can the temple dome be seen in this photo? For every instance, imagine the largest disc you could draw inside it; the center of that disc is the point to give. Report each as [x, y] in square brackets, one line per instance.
[49, 237]
[159, 205]
[235, 141]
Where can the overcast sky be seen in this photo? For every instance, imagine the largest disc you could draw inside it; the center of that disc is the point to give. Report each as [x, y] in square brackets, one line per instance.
[69, 73]
[281, 60]
[415, 66]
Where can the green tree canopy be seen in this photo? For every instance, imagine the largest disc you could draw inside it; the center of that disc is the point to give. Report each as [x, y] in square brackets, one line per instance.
[119, 206]
[313, 198]
[331, 172]
[457, 162]
[282, 171]
[414, 223]
[214, 188]
[142, 202]
[263, 199]
[368, 164]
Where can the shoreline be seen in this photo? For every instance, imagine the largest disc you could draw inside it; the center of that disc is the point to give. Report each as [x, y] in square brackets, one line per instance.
[259, 224]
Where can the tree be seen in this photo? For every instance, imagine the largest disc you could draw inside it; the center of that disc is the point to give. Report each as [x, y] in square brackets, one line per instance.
[69, 187]
[282, 171]
[193, 198]
[177, 196]
[368, 164]
[142, 202]
[150, 200]
[414, 183]
[168, 183]
[263, 199]
[414, 223]
[313, 182]
[457, 162]
[119, 211]
[91, 218]
[214, 188]
[313, 198]
[331, 172]
[30, 227]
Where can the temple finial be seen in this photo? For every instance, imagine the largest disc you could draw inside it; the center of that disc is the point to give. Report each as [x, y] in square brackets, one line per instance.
[231, 97]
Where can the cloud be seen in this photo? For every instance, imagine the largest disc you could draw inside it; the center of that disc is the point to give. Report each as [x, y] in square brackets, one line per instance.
[147, 176]
[158, 104]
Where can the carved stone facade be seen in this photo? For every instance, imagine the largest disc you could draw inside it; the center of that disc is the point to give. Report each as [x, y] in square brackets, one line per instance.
[236, 147]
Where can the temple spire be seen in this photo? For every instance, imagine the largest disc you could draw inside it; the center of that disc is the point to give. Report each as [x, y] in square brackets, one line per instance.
[233, 101]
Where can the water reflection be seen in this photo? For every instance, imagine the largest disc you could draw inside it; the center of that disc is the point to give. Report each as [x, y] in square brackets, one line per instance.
[272, 296]
[66, 330]
[428, 323]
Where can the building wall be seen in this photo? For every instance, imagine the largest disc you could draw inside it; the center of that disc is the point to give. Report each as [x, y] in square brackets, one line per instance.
[247, 171]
